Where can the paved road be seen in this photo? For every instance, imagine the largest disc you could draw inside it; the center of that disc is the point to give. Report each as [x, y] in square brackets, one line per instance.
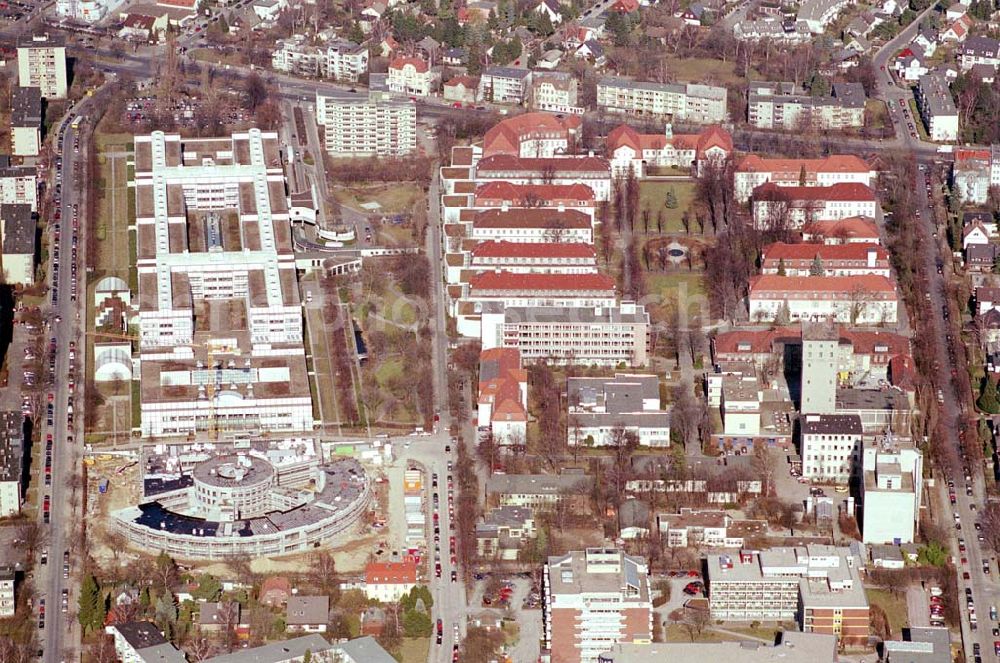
[61, 637]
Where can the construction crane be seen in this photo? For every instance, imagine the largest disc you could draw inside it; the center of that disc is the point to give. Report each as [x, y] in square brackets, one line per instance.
[211, 350]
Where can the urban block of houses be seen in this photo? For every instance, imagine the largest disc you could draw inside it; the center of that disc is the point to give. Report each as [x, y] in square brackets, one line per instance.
[793, 207]
[681, 102]
[504, 531]
[818, 586]
[503, 396]
[752, 171]
[555, 92]
[831, 446]
[603, 410]
[789, 107]
[856, 300]
[628, 149]
[772, 29]
[825, 259]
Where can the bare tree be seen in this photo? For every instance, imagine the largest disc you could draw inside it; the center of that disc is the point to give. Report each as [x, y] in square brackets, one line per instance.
[694, 622]
[989, 520]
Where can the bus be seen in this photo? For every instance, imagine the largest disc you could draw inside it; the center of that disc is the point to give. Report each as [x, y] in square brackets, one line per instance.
[76, 123]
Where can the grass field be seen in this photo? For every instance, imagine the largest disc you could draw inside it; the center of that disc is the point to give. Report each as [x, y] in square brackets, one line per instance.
[653, 195]
[705, 70]
[390, 369]
[395, 198]
[894, 607]
[414, 650]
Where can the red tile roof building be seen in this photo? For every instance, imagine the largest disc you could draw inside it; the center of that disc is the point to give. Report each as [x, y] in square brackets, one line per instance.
[535, 224]
[856, 300]
[536, 257]
[794, 206]
[389, 581]
[595, 172]
[410, 75]
[533, 135]
[560, 196]
[503, 395]
[752, 171]
[842, 231]
[828, 260]
[627, 148]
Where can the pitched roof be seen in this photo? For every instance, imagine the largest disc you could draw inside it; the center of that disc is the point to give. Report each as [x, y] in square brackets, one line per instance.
[839, 191]
[852, 227]
[533, 250]
[506, 136]
[401, 61]
[531, 217]
[391, 573]
[853, 251]
[766, 283]
[307, 610]
[469, 82]
[510, 162]
[507, 191]
[877, 343]
[835, 163]
[509, 281]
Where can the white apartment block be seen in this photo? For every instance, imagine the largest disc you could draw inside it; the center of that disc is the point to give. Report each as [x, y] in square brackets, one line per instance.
[220, 322]
[752, 171]
[600, 336]
[682, 102]
[937, 108]
[25, 121]
[689, 527]
[786, 106]
[370, 126]
[41, 63]
[890, 492]
[554, 91]
[85, 11]
[504, 85]
[831, 446]
[11, 463]
[855, 300]
[340, 60]
[18, 187]
[410, 76]
[975, 171]
[593, 599]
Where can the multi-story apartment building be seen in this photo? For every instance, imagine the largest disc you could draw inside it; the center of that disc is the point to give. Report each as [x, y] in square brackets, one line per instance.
[533, 135]
[410, 76]
[682, 102]
[830, 260]
[600, 409]
[41, 63]
[18, 185]
[504, 85]
[295, 55]
[142, 642]
[593, 599]
[345, 61]
[554, 91]
[831, 446]
[854, 300]
[752, 171]
[937, 107]
[372, 126]
[339, 60]
[713, 529]
[220, 322]
[818, 586]
[11, 463]
[390, 581]
[975, 171]
[787, 106]
[85, 11]
[25, 121]
[891, 490]
[628, 149]
[782, 207]
[611, 335]
[18, 244]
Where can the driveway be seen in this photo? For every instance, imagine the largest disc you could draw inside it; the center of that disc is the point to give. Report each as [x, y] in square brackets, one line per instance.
[918, 606]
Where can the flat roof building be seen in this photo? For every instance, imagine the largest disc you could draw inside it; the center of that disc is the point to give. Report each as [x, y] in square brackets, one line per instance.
[41, 63]
[25, 121]
[374, 126]
[812, 647]
[11, 462]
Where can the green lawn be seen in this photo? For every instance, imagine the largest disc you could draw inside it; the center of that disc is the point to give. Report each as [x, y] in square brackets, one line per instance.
[414, 650]
[389, 369]
[684, 287]
[894, 607]
[653, 196]
[395, 198]
[705, 70]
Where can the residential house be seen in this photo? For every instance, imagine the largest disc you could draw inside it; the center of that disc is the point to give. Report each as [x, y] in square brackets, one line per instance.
[633, 519]
[924, 43]
[909, 66]
[603, 410]
[454, 57]
[979, 50]
[462, 90]
[275, 591]
[975, 233]
[958, 31]
[554, 91]
[550, 8]
[142, 642]
[410, 76]
[973, 173]
[503, 396]
[388, 582]
[504, 531]
[307, 614]
[217, 616]
[591, 51]
[956, 11]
